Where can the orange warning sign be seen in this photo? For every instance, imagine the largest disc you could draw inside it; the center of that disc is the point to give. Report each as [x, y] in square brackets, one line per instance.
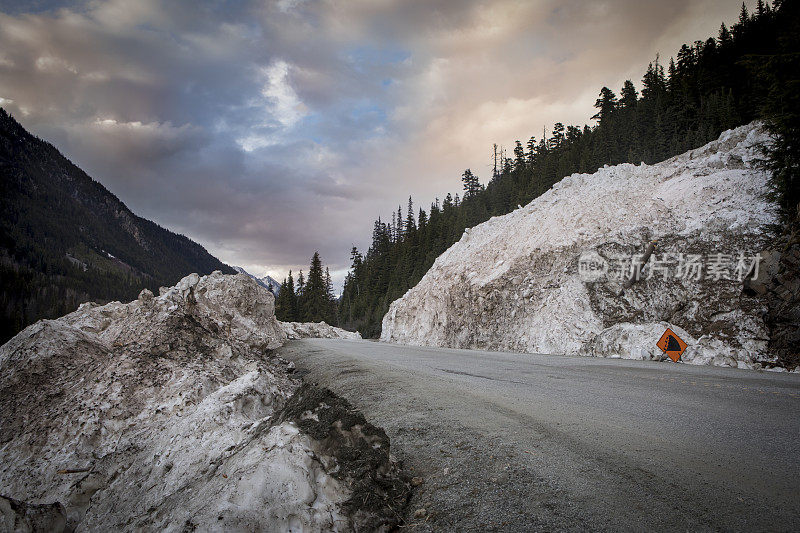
[672, 345]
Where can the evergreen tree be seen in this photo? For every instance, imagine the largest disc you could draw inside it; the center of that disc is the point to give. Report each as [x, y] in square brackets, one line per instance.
[470, 181]
[495, 172]
[629, 96]
[315, 293]
[530, 157]
[280, 303]
[301, 297]
[400, 229]
[654, 83]
[780, 75]
[411, 225]
[519, 156]
[286, 302]
[332, 318]
[605, 105]
[558, 136]
[291, 299]
[724, 35]
[744, 19]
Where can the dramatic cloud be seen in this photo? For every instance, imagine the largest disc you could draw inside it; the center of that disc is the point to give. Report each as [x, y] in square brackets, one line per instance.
[268, 130]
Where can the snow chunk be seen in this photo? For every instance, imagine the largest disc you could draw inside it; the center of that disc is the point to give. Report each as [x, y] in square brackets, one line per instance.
[512, 282]
[321, 330]
[168, 413]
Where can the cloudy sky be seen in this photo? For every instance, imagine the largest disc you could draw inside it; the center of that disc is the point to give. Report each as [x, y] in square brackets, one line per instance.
[267, 130]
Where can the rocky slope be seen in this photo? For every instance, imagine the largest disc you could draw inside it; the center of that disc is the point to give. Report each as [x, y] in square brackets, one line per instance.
[169, 413]
[551, 277]
[779, 287]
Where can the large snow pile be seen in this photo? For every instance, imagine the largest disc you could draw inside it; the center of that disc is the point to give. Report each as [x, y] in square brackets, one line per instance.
[303, 330]
[169, 413]
[513, 282]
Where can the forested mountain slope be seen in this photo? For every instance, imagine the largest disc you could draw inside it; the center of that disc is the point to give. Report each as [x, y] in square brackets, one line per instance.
[746, 72]
[65, 239]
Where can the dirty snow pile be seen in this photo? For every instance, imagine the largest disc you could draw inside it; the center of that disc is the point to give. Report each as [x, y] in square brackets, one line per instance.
[171, 413]
[321, 330]
[513, 282]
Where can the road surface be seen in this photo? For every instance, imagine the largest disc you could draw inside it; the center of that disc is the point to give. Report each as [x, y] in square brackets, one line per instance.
[520, 442]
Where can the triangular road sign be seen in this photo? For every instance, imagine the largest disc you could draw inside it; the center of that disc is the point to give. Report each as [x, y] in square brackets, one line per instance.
[672, 345]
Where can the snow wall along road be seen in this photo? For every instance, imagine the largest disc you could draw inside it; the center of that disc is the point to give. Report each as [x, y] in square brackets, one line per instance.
[173, 413]
[522, 282]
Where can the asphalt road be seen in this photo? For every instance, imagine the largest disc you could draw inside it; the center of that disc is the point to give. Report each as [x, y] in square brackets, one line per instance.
[521, 442]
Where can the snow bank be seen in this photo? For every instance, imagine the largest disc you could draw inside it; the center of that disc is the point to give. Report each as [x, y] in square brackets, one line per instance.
[169, 413]
[513, 283]
[303, 330]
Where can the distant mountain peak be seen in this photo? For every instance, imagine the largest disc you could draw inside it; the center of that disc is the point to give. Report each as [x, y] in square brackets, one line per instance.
[267, 281]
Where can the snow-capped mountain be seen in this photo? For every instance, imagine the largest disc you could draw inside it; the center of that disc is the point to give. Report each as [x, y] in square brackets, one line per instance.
[268, 282]
[271, 283]
[516, 283]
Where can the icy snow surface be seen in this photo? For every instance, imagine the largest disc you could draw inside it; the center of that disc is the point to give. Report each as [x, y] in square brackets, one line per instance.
[160, 414]
[320, 330]
[512, 283]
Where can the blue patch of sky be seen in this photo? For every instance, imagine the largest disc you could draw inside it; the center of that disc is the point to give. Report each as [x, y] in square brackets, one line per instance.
[363, 57]
[368, 111]
[350, 120]
[15, 7]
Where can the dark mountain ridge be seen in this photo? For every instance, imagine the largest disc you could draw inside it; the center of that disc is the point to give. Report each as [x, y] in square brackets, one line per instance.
[65, 239]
